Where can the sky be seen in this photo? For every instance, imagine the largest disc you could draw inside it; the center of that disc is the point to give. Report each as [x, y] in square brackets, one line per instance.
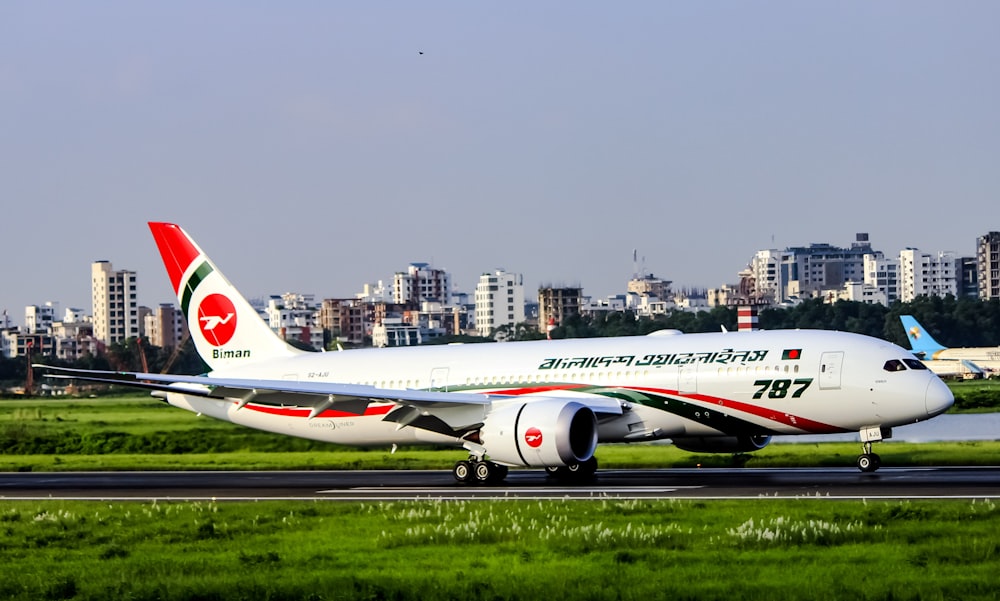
[314, 146]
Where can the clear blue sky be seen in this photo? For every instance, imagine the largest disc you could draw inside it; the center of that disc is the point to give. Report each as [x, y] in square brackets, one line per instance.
[310, 146]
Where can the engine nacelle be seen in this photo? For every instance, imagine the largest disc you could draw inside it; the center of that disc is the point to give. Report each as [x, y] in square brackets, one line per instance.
[722, 444]
[542, 433]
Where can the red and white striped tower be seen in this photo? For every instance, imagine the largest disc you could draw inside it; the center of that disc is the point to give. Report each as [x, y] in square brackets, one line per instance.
[746, 318]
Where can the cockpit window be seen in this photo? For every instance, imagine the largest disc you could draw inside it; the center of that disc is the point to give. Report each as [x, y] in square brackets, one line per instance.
[914, 364]
[894, 365]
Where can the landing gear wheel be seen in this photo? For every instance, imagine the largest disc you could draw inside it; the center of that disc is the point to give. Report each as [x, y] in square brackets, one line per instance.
[483, 471]
[583, 470]
[487, 472]
[574, 472]
[462, 471]
[869, 462]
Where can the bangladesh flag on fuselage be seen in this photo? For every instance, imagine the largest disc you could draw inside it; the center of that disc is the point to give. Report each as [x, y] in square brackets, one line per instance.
[791, 354]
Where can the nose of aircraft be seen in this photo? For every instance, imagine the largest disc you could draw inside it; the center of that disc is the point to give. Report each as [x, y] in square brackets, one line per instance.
[938, 398]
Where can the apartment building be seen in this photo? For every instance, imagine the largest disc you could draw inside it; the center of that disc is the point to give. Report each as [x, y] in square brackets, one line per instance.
[165, 326]
[295, 317]
[988, 265]
[39, 318]
[115, 305]
[499, 301]
[924, 274]
[882, 275]
[556, 304]
[419, 283]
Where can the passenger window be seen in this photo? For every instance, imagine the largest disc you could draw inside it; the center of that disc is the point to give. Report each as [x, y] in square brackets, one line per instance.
[914, 364]
[894, 365]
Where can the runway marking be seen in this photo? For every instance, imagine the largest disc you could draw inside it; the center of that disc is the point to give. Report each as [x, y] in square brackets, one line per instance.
[532, 497]
[508, 490]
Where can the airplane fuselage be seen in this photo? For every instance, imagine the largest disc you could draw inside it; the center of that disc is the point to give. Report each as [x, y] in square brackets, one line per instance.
[673, 386]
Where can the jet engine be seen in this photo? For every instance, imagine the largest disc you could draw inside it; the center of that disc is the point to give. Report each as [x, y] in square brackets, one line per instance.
[722, 444]
[540, 433]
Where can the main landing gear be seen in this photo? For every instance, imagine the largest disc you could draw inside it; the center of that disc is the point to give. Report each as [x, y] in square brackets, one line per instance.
[574, 472]
[868, 461]
[478, 471]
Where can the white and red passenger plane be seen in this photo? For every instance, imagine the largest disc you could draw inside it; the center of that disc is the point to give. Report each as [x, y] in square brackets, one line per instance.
[536, 404]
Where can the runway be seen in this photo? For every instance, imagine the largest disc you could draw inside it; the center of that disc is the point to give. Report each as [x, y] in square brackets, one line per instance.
[825, 483]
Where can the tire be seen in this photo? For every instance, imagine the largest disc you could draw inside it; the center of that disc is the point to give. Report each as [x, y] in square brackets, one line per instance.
[869, 462]
[483, 472]
[462, 471]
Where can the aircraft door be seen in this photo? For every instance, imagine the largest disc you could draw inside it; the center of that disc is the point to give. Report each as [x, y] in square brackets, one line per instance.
[830, 364]
[687, 379]
[439, 379]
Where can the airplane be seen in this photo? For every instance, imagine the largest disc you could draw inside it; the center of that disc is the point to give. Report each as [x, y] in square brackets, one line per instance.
[982, 361]
[537, 404]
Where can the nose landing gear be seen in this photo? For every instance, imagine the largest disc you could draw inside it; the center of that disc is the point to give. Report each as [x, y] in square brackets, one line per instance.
[868, 461]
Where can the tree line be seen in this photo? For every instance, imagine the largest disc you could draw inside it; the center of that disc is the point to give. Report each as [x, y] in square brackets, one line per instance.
[953, 322]
[118, 356]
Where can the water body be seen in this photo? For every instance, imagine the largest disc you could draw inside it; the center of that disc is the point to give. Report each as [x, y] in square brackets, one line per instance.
[966, 426]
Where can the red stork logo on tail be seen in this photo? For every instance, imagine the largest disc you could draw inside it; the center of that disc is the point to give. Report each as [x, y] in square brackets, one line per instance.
[217, 319]
[533, 437]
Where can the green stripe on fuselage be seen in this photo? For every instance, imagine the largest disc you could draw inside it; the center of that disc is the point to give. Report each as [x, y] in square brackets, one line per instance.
[711, 417]
[189, 287]
[676, 405]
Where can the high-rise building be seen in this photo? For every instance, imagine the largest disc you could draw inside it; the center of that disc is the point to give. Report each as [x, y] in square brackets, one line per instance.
[165, 326]
[988, 265]
[38, 319]
[882, 274]
[556, 304]
[294, 317]
[806, 271]
[922, 274]
[420, 283]
[968, 277]
[499, 301]
[116, 308]
[809, 271]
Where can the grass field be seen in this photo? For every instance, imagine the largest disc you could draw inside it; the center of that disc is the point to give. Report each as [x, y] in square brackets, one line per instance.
[803, 549]
[976, 395]
[762, 549]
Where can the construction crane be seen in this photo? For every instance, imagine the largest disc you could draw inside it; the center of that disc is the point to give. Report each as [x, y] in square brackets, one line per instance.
[176, 353]
[142, 355]
[29, 383]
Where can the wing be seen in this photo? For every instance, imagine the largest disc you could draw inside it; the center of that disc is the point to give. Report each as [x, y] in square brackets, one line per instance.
[450, 413]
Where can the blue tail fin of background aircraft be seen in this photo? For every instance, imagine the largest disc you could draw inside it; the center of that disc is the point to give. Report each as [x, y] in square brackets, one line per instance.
[922, 343]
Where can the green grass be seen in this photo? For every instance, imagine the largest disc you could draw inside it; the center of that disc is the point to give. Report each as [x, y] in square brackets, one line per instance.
[975, 396]
[635, 456]
[787, 549]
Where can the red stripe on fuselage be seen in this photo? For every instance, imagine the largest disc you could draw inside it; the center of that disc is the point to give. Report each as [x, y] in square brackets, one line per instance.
[538, 389]
[795, 421]
[300, 412]
[176, 249]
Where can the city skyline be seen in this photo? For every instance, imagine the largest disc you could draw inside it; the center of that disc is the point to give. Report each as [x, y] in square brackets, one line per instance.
[312, 147]
[17, 317]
